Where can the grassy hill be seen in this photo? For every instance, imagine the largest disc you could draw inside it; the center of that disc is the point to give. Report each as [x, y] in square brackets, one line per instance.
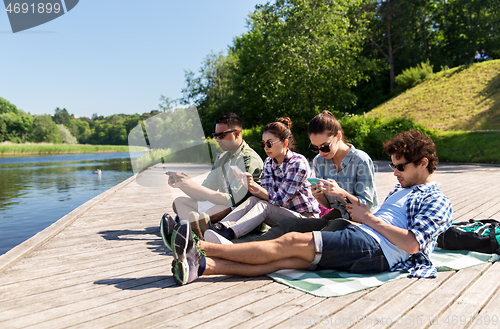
[459, 99]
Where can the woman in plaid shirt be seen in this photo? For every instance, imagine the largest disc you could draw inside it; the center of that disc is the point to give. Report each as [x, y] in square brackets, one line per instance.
[284, 191]
[343, 170]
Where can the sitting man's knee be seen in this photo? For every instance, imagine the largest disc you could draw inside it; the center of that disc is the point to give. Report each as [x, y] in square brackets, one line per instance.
[292, 238]
[179, 201]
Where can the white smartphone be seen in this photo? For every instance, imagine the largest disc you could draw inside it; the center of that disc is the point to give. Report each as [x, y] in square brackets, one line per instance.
[236, 170]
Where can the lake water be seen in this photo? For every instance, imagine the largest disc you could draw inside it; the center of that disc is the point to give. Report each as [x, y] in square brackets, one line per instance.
[36, 191]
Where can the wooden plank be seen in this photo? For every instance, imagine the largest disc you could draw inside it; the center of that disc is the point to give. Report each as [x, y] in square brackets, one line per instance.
[46, 285]
[83, 311]
[341, 309]
[433, 306]
[472, 300]
[71, 293]
[394, 310]
[489, 316]
[150, 315]
[280, 313]
[271, 296]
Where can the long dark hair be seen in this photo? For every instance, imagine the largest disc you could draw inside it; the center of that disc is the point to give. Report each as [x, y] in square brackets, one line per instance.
[325, 122]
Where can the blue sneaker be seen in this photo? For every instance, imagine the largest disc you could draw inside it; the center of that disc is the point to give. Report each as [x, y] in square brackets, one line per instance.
[189, 261]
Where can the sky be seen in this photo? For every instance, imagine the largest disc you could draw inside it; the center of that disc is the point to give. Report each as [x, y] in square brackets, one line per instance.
[114, 56]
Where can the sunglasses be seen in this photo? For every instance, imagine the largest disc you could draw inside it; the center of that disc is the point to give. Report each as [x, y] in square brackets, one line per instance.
[324, 148]
[268, 144]
[222, 135]
[399, 167]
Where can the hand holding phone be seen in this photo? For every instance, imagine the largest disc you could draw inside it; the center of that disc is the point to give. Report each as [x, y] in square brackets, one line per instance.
[237, 171]
[173, 177]
[313, 181]
[347, 200]
[172, 174]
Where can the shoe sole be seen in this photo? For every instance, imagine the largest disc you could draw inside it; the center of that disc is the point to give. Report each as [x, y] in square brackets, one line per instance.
[164, 235]
[180, 272]
[181, 240]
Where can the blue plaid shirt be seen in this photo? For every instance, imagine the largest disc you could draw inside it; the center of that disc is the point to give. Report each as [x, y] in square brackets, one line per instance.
[429, 214]
[356, 176]
[287, 184]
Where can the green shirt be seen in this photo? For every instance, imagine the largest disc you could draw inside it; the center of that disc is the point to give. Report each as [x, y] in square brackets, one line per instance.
[221, 178]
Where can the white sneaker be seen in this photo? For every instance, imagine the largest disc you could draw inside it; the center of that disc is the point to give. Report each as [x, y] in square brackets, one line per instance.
[214, 237]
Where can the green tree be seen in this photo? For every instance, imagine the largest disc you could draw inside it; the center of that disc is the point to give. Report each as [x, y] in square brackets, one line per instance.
[15, 124]
[66, 136]
[80, 129]
[298, 57]
[45, 130]
[61, 117]
[212, 89]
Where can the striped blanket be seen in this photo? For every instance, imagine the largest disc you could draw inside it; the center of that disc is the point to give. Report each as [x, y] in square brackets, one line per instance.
[332, 283]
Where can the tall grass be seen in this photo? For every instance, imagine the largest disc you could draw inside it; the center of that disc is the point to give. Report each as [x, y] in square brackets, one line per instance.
[196, 153]
[28, 148]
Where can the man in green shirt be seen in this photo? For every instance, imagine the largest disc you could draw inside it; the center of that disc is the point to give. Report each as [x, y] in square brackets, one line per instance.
[221, 191]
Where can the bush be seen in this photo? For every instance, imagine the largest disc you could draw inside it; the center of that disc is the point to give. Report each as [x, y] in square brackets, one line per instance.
[365, 133]
[66, 136]
[414, 75]
[45, 130]
[369, 133]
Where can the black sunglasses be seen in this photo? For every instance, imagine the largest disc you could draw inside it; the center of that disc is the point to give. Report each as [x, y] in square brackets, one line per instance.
[399, 167]
[268, 144]
[222, 135]
[324, 148]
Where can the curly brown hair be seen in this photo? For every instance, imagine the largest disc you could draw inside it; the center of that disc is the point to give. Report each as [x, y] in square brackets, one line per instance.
[413, 146]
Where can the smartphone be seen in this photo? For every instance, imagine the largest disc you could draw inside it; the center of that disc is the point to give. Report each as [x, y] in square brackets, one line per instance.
[172, 174]
[347, 200]
[237, 170]
[314, 181]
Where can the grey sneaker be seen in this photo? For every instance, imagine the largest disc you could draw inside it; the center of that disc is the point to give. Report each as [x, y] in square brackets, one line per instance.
[167, 225]
[189, 260]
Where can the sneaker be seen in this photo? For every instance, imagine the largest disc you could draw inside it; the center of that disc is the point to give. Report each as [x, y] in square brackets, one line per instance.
[167, 225]
[226, 232]
[199, 223]
[189, 261]
[214, 237]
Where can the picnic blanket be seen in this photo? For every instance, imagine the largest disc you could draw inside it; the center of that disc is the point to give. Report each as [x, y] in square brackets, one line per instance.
[332, 283]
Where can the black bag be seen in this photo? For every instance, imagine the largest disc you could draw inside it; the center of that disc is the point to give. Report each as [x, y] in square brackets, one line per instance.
[475, 235]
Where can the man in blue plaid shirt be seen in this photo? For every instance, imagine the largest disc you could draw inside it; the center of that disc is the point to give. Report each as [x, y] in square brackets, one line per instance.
[399, 236]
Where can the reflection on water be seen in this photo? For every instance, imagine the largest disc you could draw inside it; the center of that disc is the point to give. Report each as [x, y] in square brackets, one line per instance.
[37, 191]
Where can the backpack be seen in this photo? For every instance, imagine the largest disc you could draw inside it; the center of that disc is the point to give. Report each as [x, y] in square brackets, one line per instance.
[476, 235]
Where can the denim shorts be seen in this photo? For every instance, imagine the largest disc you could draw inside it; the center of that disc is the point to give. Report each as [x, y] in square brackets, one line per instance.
[350, 250]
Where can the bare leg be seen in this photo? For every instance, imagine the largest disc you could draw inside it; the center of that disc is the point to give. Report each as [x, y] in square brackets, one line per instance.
[290, 245]
[216, 266]
[183, 206]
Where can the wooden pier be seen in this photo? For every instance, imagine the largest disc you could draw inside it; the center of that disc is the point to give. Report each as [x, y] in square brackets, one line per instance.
[104, 265]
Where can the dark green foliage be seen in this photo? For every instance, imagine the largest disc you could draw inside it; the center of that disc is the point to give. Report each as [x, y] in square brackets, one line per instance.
[414, 75]
[365, 133]
[15, 125]
[369, 133]
[45, 130]
[61, 117]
